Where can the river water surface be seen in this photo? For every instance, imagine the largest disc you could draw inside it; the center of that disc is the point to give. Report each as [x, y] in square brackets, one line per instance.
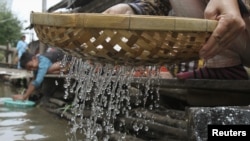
[29, 124]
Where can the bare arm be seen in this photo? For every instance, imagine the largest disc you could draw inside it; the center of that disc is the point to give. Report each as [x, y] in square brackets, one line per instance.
[26, 95]
[54, 68]
[141, 7]
[230, 25]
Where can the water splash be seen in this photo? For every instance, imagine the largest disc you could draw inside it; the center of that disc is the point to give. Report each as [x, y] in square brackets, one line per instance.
[101, 94]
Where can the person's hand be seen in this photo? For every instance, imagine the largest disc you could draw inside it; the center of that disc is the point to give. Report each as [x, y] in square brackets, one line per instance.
[230, 25]
[19, 97]
[119, 9]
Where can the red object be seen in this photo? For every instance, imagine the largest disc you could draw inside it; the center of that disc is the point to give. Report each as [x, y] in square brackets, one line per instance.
[163, 69]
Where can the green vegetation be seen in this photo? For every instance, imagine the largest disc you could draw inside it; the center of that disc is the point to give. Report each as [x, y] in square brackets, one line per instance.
[11, 27]
[1, 56]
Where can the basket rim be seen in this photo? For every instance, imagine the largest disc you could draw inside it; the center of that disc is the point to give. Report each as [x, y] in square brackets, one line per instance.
[123, 21]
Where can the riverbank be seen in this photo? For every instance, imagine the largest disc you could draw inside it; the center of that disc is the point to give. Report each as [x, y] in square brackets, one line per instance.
[185, 107]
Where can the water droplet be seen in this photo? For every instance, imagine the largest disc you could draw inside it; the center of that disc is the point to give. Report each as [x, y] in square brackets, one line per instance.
[146, 128]
[56, 83]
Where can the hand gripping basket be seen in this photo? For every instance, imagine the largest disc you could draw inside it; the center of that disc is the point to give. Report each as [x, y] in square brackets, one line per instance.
[124, 39]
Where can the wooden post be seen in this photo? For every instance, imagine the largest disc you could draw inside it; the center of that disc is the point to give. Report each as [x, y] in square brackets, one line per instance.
[14, 57]
[10, 53]
[44, 5]
[7, 54]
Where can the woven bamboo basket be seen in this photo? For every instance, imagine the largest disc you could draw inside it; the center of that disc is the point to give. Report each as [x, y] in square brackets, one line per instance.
[124, 39]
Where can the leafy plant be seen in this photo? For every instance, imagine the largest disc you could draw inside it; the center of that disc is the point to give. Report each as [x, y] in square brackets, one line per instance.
[10, 31]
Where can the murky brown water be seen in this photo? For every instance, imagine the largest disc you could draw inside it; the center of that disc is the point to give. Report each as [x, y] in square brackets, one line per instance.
[29, 124]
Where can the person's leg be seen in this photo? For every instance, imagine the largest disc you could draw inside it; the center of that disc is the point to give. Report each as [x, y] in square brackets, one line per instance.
[229, 73]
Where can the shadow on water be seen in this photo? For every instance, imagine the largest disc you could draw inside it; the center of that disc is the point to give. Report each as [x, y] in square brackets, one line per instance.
[28, 124]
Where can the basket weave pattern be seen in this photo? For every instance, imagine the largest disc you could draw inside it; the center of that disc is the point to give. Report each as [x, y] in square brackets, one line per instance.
[122, 46]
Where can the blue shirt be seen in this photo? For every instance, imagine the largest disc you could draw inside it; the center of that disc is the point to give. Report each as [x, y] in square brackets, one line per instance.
[21, 48]
[43, 66]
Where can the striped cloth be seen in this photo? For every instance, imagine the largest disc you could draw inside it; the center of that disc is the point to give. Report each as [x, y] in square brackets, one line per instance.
[229, 73]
